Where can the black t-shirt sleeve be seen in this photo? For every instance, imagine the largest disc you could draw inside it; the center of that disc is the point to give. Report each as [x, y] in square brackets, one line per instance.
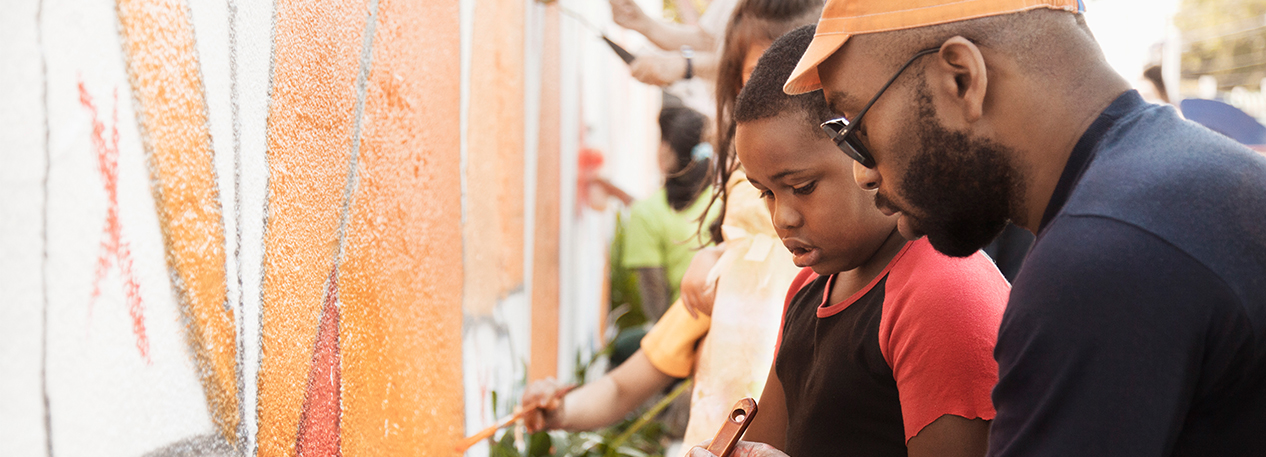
[1103, 343]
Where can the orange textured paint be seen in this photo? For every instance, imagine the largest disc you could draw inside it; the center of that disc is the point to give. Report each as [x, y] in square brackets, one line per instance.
[494, 156]
[401, 274]
[316, 57]
[545, 255]
[162, 66]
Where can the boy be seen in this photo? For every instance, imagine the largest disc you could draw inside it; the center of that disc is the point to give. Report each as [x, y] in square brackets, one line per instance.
[886, 345]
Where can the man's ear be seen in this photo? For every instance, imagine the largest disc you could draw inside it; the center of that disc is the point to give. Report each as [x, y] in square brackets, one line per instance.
[959, 74]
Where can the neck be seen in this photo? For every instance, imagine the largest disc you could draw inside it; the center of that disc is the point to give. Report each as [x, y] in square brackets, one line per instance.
[1053, 131]
[849, 282]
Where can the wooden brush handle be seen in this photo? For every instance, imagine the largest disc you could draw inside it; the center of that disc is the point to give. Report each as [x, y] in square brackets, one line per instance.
[735, 424]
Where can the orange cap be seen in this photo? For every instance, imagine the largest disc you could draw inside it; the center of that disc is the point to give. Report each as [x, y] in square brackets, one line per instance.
[842, 19]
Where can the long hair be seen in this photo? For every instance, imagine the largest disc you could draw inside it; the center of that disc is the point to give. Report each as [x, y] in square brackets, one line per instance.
[683, 129]
[753, 21]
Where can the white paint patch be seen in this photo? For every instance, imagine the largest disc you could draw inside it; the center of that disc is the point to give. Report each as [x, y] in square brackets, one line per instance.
[253, 28]
[22, 132]
[105, 399]
[494, 360]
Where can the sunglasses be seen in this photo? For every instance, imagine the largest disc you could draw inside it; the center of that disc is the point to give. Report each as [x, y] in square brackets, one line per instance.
[844, 133]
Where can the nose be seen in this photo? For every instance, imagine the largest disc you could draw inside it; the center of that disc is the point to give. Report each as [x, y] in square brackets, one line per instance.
[785, 217]
[867, 178]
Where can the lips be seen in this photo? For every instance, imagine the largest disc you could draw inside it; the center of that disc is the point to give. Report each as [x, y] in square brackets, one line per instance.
[802, 254]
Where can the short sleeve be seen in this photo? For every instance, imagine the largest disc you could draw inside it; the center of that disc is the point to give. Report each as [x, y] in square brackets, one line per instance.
[938, 329]
[1104, 344]
[672, 344]
[643, 236]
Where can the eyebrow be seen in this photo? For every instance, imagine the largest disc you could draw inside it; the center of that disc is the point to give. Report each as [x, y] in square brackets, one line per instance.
[785, 173]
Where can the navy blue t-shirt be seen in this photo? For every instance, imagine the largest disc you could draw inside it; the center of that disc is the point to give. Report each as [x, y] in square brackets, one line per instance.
[1137, 326]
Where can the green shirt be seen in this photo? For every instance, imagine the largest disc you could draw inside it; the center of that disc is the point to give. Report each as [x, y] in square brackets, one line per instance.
[658, 236]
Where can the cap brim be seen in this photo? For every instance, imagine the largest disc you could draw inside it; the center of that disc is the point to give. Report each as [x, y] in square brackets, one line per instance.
[805, 77]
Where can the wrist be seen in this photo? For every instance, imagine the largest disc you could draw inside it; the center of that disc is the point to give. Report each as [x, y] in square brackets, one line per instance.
[555, 418]
[688, 54]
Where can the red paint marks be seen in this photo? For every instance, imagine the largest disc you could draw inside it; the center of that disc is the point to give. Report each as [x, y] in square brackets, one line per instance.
[113, 248]
[319, 428]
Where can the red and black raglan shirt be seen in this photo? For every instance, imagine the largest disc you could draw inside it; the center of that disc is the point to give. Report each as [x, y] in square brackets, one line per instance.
[863, 376]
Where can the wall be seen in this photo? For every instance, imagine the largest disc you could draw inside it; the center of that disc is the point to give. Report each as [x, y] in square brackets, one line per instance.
[297, 227]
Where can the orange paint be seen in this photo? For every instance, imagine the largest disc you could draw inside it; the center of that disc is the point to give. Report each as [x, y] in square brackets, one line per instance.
[316, 57]
[545, 257]
[400, 279]
[319, 423]
[494, 156]
[163, 69]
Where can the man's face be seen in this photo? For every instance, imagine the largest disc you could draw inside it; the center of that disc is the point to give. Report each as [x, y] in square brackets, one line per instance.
[956, 188]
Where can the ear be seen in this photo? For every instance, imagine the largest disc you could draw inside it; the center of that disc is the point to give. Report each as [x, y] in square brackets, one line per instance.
[960, 76]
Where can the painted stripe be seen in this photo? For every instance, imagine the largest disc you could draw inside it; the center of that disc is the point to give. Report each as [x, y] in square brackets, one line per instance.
[319, 421]
[163, 69]
[545, 257]
[494, 172]
[400, 279]
[316, 60]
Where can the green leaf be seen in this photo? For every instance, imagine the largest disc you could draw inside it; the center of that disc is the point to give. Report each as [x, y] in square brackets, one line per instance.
[541, 445]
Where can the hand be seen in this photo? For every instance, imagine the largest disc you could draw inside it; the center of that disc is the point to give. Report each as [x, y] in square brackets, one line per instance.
[545, 404]
[742, 449]
[627, 14]
[697, 293]
[658, 70]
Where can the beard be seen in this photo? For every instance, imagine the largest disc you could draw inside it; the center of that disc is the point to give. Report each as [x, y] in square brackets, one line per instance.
[962, 189]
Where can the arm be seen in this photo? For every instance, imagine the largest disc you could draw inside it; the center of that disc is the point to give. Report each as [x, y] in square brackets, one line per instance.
[653, 285]
[770, 424]
[665, 69]
[667, 36]
[1104, 343]
[597, 404]
[697, 293]
[951, 436]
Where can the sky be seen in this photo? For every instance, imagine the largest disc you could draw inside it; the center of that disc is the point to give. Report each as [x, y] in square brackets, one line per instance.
[1127, 29]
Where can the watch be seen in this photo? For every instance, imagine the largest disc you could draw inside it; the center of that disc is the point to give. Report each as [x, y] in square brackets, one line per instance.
[688, 54]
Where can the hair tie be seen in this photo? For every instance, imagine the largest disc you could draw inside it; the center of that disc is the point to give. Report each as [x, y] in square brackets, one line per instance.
[701, 152]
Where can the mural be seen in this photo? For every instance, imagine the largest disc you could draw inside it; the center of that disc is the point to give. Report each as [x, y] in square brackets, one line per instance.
[329, 227]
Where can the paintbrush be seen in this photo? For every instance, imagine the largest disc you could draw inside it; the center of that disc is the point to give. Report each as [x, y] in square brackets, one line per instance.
[503, 423]
[624, 54]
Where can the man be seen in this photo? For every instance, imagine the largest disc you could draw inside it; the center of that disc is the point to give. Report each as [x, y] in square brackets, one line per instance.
[1137, 326]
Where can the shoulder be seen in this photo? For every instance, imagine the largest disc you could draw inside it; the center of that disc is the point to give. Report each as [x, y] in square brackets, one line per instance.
[930, 296]
[1181, 183]
[656, 202]
[1089, 276]
[922, 276]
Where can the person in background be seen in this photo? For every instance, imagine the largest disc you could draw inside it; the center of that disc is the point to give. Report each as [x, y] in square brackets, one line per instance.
[1152, 85]
[1137, 326]
[692, 50]
[660, 236]
[660, 239]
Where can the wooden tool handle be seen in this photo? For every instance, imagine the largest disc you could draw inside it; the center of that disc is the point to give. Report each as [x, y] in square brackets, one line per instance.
[487, 432]
[740, 417]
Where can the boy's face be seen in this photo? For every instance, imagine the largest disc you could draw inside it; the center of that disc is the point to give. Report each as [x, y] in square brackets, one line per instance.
[825, 220]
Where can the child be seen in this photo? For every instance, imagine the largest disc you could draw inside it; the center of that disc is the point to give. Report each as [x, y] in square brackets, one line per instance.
[886, 345]
[661, 234]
